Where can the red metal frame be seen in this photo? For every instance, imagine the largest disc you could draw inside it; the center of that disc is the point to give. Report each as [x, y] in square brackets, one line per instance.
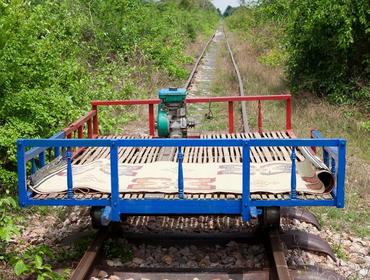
[259, 122]
[151, 120]
[87, 121]
[226, 99]
[231, 116]
[288, 114]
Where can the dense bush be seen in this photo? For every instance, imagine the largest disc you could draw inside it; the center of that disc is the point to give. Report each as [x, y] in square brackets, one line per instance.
[55, 56]
[329, 48]
[327, 44]
[264, 34]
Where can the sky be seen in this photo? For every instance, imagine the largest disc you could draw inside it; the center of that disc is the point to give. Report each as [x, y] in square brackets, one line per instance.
[222, 4]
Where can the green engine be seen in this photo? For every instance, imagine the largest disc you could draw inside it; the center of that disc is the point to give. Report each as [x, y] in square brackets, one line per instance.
[172, 121]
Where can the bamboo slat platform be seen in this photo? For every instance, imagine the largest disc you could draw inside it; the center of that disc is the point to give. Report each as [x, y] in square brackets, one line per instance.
[194, 154]
[191, 155]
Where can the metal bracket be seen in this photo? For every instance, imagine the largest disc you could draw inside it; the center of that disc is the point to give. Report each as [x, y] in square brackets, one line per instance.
[246, 181]
[255, 212]
[106, 216]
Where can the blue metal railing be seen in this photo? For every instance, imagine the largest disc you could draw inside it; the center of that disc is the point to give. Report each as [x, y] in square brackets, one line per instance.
[331, 156]
[335, 151]
[38, 153]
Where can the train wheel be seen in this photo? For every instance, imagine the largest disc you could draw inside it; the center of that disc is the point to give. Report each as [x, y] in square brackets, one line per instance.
[270, 218]
[95, 214]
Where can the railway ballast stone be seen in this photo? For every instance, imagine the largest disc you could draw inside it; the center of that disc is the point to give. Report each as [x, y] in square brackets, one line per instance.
[102, 274]
[114, 277]
[353, 259]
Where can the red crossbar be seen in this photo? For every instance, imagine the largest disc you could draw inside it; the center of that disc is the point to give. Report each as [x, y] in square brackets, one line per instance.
[124, 102]
[231, 116]
[229, 99]
[193, 100]
[79, 125]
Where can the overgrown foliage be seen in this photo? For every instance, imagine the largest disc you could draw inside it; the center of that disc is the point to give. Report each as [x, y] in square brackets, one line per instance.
[228, 11]
[118, 249]
[32, 262]
[254, 40]
[56, 56]
[326, 44]
[8, 228]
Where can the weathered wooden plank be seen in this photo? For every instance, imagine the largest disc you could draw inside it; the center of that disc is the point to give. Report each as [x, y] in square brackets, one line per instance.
[155, 156]
[95, 154]
[258, 151]
[274, 151]
[236, 150]
[299, 155]
[83, 156]
[147, 155]
[254, 152]
[226, 151]
[265, 151]
[282, 150]
[126, 153]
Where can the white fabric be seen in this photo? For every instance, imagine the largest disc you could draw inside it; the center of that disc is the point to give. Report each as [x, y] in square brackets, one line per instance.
[271, 177]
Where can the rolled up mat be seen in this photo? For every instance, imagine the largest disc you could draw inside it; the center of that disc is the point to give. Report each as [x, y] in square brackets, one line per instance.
[313, 169]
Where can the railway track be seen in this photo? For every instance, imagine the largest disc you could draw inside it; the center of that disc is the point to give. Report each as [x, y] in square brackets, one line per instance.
[272, 241]
[273, 266]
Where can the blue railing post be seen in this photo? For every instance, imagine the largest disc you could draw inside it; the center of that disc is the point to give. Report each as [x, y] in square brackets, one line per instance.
[56, 152]
[114, 181]
[42, 159]
[293, 178]
[341, 173]
[33, 166]
[334, 172]
[246, 181]
[22, 184]
[333, 167]
[69, 174]
[180, 176]
[325, 156]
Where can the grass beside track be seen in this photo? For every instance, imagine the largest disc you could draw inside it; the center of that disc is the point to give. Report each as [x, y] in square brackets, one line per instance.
[225, 75]
[309, 111]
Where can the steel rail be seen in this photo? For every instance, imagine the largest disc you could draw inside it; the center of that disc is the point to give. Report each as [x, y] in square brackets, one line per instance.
[170, 239]
[275, 268]
[297, 272]
[185, 274]
[278, 267]
[241, 86]
[236, 68]
[196, 65]
[280, 264]
[84, 267]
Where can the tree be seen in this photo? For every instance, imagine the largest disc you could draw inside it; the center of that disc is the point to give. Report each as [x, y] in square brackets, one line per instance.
[229, 10]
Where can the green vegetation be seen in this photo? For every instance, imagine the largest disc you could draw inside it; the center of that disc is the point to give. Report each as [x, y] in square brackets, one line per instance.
[340, 252]
[117, 248]
[31, 262]
[57, 56]
[262, 38]
[229, 11]
[76, 250]
[8, 229]
[324, 44]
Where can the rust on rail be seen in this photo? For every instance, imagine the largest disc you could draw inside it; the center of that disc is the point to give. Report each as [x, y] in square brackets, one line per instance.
[85, 265]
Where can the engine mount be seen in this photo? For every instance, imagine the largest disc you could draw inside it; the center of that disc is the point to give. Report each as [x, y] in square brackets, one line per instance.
[172, 121]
